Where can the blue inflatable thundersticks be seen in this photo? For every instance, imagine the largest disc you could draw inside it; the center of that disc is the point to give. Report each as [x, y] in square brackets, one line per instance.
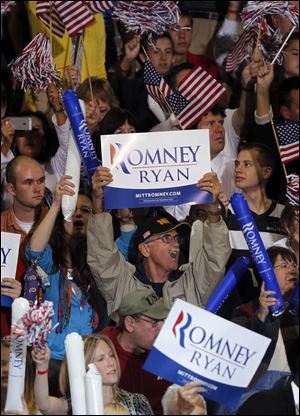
[81, 133]
[257, 249]
[229, 281]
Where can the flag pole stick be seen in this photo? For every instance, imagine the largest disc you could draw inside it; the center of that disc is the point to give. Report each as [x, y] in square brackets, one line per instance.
[258, 36]
[51, 27]
[163, 96]
[283, 45]
[87, 69]
[277, 143]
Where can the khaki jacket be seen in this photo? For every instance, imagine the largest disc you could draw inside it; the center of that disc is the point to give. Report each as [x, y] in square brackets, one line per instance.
[115, 277]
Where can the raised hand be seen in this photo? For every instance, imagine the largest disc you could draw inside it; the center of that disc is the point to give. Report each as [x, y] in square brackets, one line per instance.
[265, 302]
[7, 135]
[72, 76]
[64, 187]
[210, 182]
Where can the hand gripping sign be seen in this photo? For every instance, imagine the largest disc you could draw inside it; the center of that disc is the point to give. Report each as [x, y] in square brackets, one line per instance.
[230, 280]
[17, 360]
[81, 133]
[257, 249]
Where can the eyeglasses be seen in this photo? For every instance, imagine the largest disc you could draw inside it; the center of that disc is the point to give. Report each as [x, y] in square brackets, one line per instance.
[286, 266]
[167, 239]
[154, 322]
[83, 210]
[182, 29]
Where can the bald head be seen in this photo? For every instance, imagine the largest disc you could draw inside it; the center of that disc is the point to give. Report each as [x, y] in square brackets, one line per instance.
[19, 163]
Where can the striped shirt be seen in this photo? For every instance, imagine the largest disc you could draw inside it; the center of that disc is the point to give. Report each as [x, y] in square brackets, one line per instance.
[268, 225]
[270, 230]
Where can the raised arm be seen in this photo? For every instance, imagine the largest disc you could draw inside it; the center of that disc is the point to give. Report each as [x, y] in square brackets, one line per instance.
[101, 178]
[48, 405]
[41, 235]
[265, 77]
[247, 100]
[131, 49]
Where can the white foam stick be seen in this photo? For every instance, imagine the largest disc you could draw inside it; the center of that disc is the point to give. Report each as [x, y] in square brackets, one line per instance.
[73, 165]
[76, 369]
[283, 45]
[93, 391]
[17, 360]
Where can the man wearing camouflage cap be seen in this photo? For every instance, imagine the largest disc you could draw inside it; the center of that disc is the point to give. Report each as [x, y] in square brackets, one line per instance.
[140, 317]
[158, 242]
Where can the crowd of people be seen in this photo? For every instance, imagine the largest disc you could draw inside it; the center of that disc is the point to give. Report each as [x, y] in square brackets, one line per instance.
[114, 275]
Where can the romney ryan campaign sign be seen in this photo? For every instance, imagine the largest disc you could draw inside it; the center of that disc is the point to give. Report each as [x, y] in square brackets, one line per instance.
[195, 344]
[153, 169]
[10, 244]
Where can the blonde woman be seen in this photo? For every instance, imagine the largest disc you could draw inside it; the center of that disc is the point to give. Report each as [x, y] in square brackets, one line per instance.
[99, 350]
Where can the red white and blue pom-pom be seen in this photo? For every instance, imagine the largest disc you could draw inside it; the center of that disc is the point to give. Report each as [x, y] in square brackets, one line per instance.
[35, 325]
[256, 11]
[292, 192]
[6, 6]
[147, 17]
[34, 68]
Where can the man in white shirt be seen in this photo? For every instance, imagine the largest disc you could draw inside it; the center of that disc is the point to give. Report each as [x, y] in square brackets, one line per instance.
[221, 164]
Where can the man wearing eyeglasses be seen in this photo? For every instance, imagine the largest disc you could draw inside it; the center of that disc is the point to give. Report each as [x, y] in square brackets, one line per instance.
[158, 242]
[139, 318]
[182, 35]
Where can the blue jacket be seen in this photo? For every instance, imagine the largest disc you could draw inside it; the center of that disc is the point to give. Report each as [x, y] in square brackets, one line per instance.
[80, 320]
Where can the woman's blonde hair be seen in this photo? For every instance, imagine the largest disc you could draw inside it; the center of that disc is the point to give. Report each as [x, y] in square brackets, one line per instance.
[115, 409]
[90, 343]
[101, 89]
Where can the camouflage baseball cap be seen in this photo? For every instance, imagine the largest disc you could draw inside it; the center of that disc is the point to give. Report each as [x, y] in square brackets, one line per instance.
[142, 301]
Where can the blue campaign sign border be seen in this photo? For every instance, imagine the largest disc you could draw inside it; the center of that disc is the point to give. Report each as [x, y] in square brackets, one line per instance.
[161, 365]
[140, 198]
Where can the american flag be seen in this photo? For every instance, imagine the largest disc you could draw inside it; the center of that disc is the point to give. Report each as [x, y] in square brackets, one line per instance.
[197, 93]
[45, 9]
[288, 136]
[73, 16]
[156, 86]
[242, 50]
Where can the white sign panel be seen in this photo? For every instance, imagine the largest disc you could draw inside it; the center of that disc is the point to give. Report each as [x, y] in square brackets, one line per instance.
[195, 344]
[10, 244]
[154, 169]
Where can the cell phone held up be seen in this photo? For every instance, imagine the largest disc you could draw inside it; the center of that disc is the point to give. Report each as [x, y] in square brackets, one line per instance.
[21, 123]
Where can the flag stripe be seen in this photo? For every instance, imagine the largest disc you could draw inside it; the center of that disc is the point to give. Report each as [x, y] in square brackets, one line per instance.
[193, 115]
[237, 55]
[100, 6]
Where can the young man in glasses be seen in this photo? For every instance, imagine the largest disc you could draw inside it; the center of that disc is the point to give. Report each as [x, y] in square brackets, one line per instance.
[182, 36]
[139, 318]
[159, 247]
